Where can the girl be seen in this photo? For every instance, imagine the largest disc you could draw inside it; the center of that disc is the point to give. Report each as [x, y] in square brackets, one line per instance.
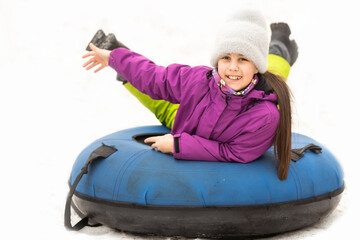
[233, 112]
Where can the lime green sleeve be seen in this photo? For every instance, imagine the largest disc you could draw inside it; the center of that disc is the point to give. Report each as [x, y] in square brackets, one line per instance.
[165, 111]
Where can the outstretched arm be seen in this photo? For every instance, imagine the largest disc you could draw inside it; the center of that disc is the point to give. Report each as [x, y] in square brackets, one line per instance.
[98, 57]
[159, 82]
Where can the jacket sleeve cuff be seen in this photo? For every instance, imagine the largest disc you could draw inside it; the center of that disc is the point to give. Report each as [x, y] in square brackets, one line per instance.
[189, 147]
[176, 152]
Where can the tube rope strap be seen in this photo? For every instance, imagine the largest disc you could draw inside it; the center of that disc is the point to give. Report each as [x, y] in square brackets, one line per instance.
[298, 153]
[101, 152]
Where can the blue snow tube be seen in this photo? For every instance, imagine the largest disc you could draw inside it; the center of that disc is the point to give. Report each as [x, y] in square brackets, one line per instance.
[120, 182]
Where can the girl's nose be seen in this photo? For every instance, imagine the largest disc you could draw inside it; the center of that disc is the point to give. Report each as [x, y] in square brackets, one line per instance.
[234, 66]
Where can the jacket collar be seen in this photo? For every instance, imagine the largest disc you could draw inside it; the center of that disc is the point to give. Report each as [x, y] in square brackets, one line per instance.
[260, 93]
[227, 90]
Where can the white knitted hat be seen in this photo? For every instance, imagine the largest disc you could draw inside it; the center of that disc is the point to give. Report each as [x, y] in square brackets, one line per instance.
[245, 33]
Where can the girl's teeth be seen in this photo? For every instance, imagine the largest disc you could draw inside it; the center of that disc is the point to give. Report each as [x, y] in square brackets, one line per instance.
[234, 78]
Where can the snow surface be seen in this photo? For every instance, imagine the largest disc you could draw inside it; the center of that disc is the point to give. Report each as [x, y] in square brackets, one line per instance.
[51, 108]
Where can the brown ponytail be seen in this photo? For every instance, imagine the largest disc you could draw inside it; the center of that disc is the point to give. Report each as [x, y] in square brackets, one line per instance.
[282, 139]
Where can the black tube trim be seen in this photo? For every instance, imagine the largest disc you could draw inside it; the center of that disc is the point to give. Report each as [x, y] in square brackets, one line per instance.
[208, 221]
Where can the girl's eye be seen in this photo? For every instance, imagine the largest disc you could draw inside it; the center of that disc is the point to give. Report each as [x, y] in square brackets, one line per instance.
[226, 57]
[243, 59]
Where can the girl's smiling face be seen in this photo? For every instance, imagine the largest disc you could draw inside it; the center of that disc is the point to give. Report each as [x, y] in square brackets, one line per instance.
[236, 70]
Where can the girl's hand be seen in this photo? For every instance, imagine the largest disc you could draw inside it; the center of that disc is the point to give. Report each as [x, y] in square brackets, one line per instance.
[164, 144]
[99, 56]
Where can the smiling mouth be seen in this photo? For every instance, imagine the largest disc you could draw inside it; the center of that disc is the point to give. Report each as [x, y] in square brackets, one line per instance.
[233, 77]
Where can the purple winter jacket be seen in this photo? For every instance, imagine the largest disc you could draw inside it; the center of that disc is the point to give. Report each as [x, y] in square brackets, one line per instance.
[209, 125]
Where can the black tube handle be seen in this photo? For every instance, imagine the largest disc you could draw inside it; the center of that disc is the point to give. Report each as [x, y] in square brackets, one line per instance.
[101, 152]
[298, 153]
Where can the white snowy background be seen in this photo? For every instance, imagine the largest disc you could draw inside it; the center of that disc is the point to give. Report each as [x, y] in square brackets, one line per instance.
[51, 108]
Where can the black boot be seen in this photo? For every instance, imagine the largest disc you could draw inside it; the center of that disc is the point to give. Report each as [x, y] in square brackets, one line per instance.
[108, 42]
[98, 38]
[121, 79]
[112, 43]
[280, 43]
